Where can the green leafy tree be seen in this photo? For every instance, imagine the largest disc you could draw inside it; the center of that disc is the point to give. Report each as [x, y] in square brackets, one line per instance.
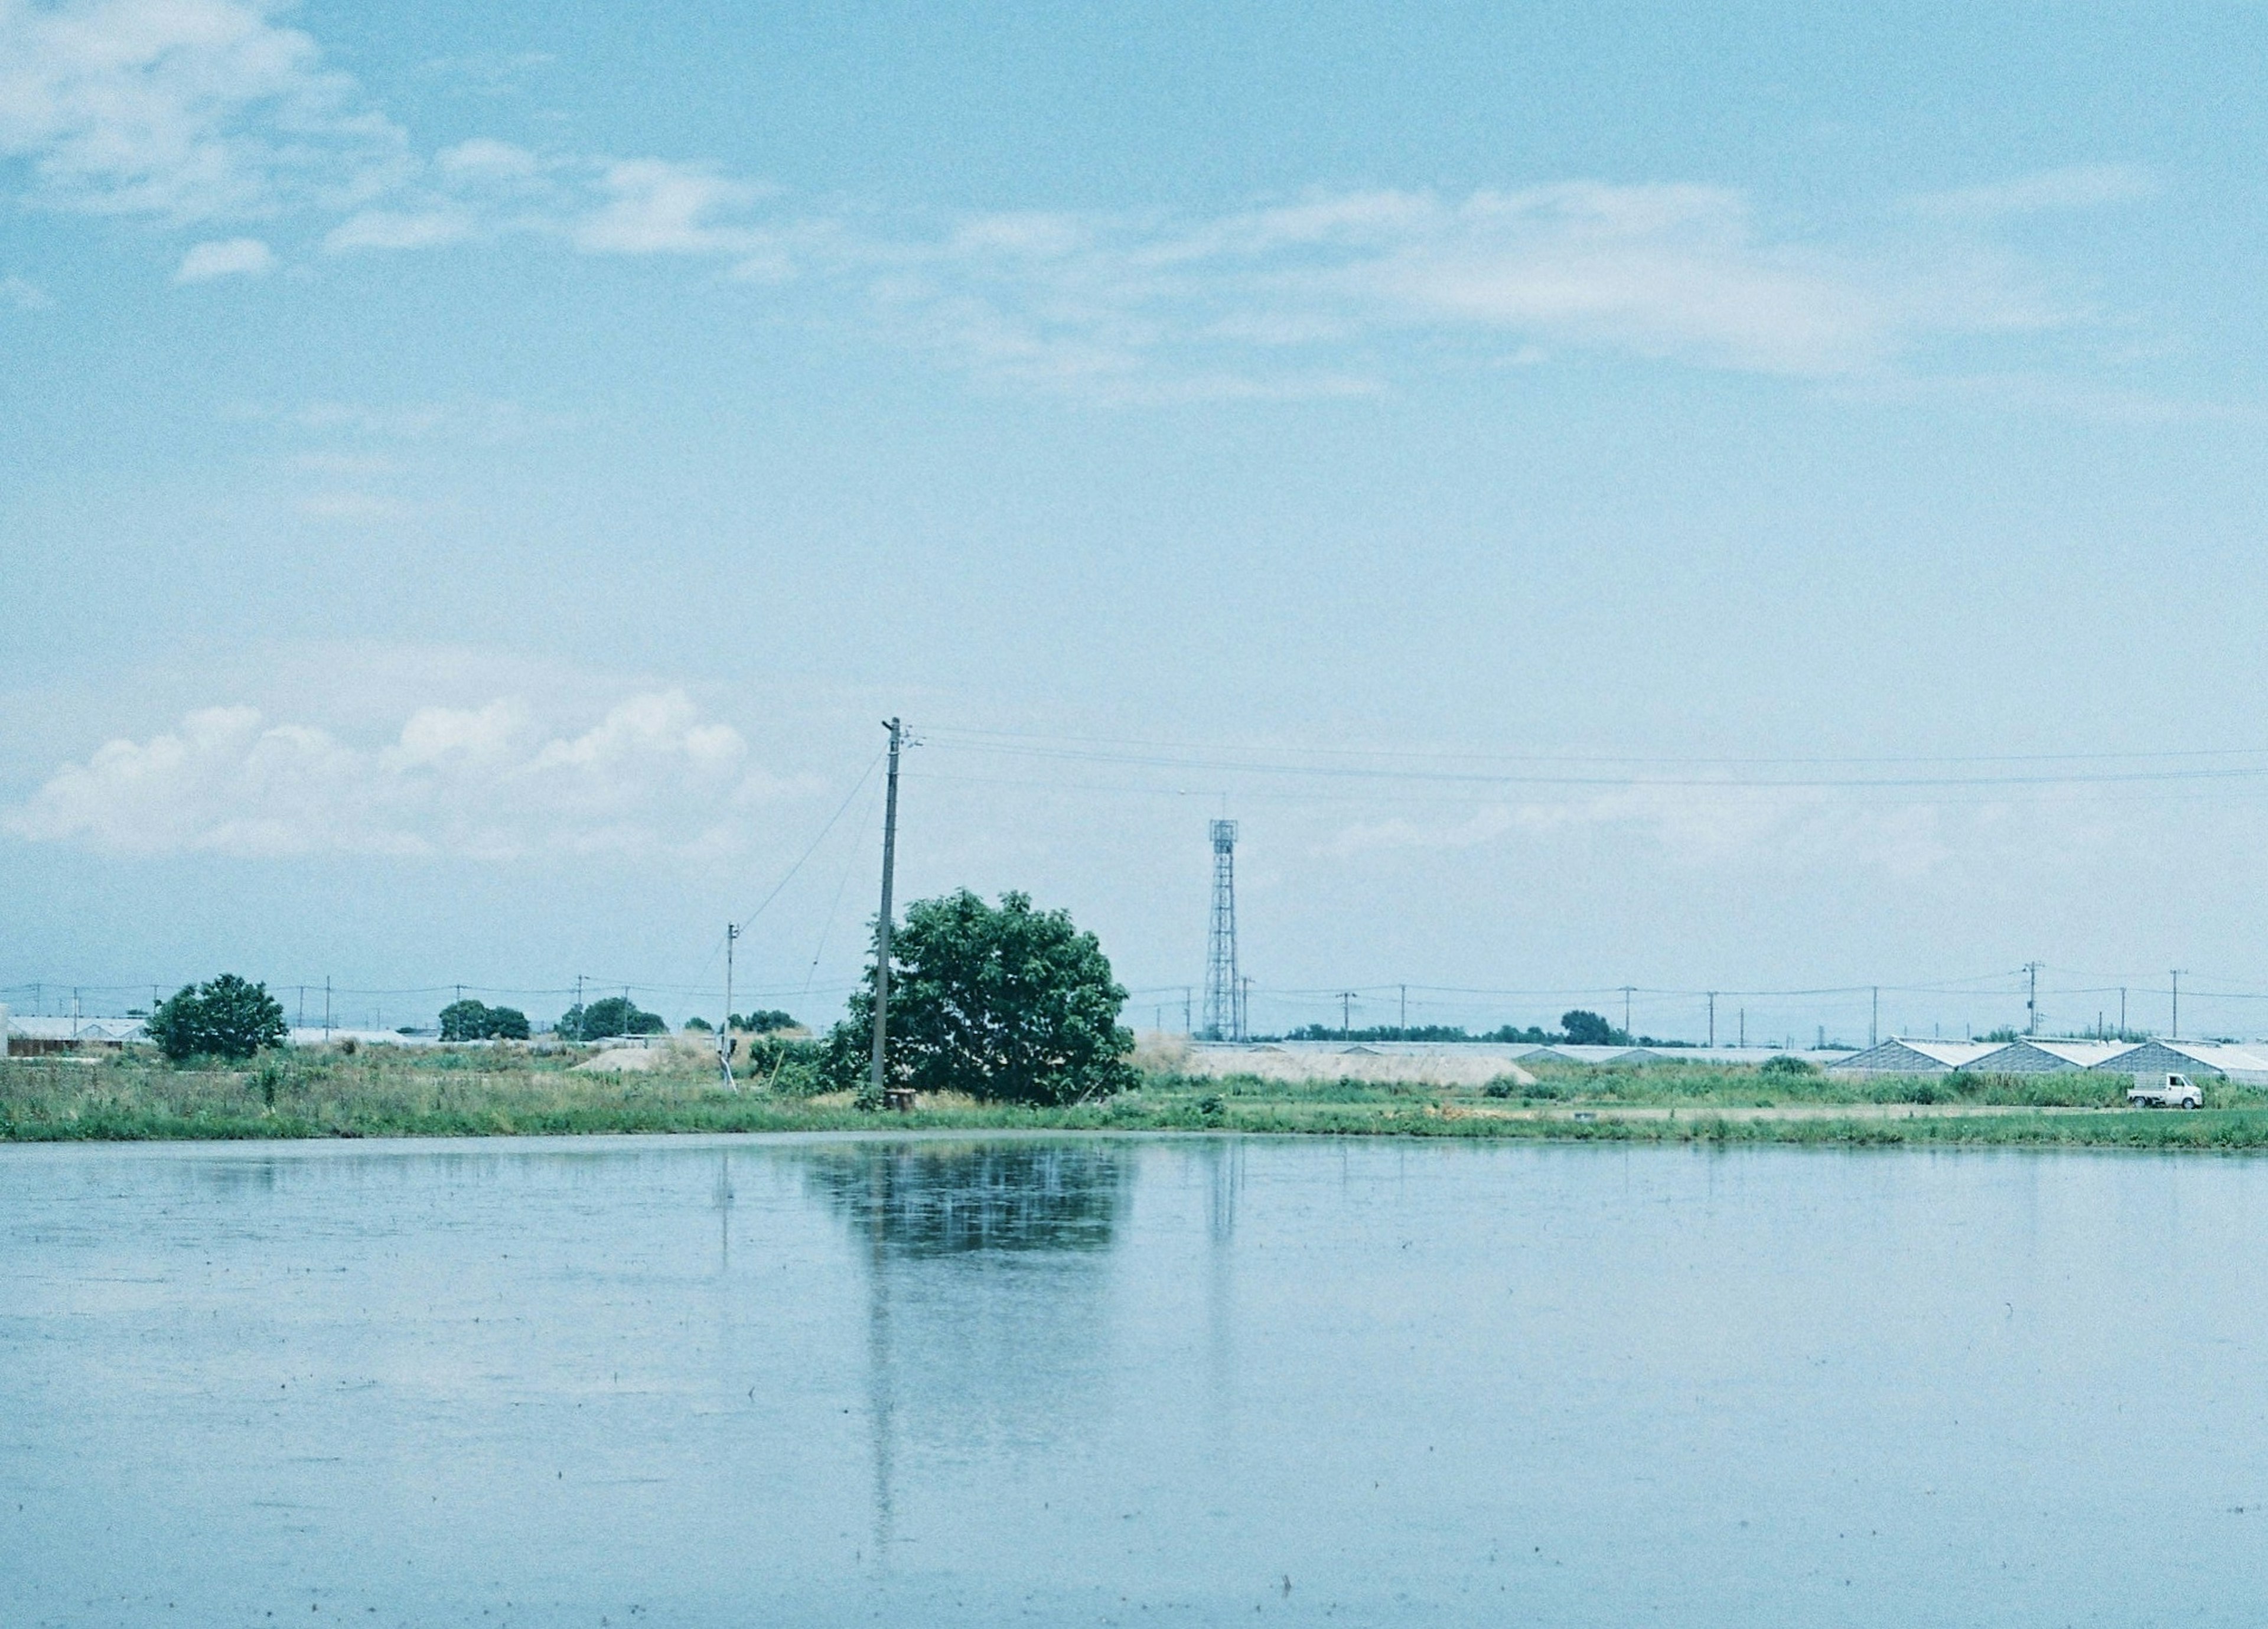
[616, 1015]
[1589, 1030]
[1006, 1003]
[764, 1021]
[700, 1025]
[226, 1018]
[476, 1020]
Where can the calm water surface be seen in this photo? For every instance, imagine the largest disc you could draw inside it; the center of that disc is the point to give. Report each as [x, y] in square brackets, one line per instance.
[1192, 1380]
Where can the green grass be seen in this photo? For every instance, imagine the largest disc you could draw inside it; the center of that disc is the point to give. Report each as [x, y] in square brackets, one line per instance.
[380, 1092]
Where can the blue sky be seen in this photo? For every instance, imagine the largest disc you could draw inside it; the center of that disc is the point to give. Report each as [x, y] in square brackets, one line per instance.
[472, 478]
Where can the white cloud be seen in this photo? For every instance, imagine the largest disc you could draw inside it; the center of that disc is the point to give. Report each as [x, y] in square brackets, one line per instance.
[485, 156]
[1707, 828]
[1264, 298]
[398, 229]
[196, 109]
[652, 207]
[231, 257]
[2077, 186]
[188, 110]
[651, 777]
[26, 295]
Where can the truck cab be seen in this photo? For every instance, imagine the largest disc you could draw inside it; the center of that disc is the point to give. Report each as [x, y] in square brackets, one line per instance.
[2165, 1091]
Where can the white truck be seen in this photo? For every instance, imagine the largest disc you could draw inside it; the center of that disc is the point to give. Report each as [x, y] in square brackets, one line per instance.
[2165, 1091]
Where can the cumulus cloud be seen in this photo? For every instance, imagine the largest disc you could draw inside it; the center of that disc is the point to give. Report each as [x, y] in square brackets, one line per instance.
[653, 776]
[231, 257]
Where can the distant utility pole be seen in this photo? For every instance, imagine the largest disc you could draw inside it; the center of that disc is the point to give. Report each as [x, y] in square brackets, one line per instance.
[301, 1022]
[2122, 1012]
[724, 1030]
[2032, 1000]
[1244, 1008]
[1189, 1009]
[882, 928]
[2178, 1004]
[1626, 1021]
[1874, 1019]
[1744, 1028]
[1404, 1026]
[1346, 1013]
[1712, 1018]
[326, 1006]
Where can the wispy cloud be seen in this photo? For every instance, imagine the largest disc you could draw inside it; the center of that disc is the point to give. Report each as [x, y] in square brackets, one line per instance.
[230, 257]
[1731, 829]
[25, 295]
[194, 110]
[187, 110]
[653, 776]
[2075, 187]
[652, 207]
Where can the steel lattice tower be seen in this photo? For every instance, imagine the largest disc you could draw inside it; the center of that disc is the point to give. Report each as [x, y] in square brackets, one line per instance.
[1224, 1008]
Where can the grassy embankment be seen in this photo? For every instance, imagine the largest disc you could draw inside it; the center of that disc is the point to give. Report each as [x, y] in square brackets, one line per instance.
[382, 1091]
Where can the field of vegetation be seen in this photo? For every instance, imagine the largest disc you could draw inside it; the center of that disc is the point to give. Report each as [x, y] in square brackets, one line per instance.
[380, 1091]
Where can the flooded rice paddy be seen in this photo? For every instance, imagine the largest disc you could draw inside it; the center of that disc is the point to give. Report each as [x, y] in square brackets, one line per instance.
[965, 1381]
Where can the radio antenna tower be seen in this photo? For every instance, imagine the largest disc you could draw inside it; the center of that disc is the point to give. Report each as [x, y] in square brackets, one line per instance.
[1224, 991]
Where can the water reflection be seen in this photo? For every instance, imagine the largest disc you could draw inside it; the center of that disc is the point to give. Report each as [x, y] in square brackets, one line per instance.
[953, 1344]
[935, 1198]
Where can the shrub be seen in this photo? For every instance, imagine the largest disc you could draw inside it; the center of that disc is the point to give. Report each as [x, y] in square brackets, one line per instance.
[1787, 1065]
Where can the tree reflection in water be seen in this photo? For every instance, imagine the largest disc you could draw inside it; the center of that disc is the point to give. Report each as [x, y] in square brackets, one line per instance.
[946, 1198]
[963, 1367]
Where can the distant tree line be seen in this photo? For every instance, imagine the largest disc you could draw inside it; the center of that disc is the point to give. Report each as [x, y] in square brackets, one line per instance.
[1577, 1027]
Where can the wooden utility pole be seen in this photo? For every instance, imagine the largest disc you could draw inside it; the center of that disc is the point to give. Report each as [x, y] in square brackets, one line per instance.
[724, 1030]
[882, 928]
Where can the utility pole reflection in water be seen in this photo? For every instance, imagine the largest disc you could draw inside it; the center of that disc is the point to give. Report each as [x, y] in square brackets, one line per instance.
[724, 1198]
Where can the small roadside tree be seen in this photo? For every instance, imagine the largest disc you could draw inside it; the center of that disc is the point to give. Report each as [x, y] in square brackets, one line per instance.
[225, 1018]
[1007, 1003]
[763, 1020]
